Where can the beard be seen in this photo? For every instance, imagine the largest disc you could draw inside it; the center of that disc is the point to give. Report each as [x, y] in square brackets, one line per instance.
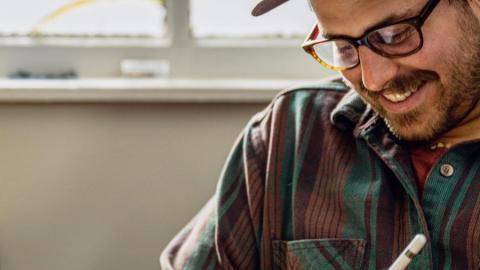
[455, 97]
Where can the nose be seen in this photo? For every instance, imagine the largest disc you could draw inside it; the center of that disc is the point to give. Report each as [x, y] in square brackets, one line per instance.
[377, 70]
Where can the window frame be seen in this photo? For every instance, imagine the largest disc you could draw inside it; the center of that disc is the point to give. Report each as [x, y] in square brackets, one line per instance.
[189, 58]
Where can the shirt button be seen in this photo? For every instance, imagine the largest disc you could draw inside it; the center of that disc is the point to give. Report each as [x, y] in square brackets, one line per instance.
[447, 170]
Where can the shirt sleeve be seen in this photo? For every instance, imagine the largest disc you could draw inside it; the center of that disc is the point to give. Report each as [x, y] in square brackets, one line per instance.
[226, 233]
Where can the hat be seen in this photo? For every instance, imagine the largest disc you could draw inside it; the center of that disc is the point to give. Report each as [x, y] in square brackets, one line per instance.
[265, 6]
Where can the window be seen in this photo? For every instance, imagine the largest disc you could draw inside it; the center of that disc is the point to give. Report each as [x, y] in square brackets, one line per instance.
[201, 39]
[83, 18]
[232, 19]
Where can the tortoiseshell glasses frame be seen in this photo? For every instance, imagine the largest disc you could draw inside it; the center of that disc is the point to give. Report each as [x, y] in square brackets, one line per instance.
[391, 40]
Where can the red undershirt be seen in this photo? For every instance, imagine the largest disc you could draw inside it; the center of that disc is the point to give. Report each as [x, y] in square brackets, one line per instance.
[423, 158]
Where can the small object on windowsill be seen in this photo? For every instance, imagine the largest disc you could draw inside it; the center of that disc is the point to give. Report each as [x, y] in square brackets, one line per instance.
[64, 75]
[139, 68]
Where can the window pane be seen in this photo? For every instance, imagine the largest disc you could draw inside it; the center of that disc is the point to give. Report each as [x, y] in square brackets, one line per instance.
[83, 17]
[231, 18]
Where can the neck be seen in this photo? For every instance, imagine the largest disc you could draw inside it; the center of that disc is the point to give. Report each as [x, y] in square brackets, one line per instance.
[467, 130]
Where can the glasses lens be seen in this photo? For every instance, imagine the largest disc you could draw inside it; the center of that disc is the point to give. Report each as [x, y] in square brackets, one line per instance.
[337, 54]
[395, 40]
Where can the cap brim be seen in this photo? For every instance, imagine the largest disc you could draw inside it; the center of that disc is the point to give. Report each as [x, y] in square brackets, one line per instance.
[265, 6]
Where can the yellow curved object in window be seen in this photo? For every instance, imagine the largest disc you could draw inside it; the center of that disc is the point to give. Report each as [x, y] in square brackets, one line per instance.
[36, 29]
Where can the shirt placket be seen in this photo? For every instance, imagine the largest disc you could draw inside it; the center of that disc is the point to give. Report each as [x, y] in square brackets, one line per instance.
[376, 138]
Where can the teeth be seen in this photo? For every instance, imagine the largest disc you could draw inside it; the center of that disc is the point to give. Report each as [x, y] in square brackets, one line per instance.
[395, 97]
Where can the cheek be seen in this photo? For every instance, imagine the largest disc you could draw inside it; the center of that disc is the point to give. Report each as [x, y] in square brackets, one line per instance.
[429, 56]
[434, 57]
[441, 44]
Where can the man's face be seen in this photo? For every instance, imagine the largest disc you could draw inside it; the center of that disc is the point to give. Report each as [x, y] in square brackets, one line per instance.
[421, 95]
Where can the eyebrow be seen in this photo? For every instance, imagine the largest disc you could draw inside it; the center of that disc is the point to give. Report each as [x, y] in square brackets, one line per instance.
[390, 19]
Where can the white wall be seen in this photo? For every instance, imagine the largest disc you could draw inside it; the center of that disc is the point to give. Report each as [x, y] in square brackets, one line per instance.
[106, 186]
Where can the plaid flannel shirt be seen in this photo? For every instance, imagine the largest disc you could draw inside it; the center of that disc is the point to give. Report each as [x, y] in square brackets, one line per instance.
[316, 181]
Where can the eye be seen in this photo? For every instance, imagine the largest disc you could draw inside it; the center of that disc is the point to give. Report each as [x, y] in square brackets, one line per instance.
[343, 48]
[400, 36]
[344, 51]
[392, 35]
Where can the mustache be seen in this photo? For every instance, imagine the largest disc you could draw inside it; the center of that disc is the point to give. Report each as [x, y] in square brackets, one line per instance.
[402, 83]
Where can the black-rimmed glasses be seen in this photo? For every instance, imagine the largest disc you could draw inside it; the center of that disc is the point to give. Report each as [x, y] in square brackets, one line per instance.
[390, 40]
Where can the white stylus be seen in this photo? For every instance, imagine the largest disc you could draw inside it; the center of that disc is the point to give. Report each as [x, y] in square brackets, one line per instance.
[410, 251]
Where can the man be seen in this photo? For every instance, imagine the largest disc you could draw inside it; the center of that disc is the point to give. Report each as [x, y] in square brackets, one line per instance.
[332, 178]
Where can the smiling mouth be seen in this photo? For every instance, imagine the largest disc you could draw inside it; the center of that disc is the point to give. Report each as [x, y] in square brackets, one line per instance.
[397, 97]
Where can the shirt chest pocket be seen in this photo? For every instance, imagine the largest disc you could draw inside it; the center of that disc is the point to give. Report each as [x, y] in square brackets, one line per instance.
[321, 254]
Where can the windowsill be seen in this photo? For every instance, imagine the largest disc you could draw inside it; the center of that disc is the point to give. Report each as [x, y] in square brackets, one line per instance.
[79, 42]
[249, 43]
[143, 90]
[136, 42]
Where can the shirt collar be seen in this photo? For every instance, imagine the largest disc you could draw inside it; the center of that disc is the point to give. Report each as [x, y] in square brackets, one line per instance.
[352, 113]
[349, 111]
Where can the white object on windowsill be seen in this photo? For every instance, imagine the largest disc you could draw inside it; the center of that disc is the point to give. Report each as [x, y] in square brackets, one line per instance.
[139, 68]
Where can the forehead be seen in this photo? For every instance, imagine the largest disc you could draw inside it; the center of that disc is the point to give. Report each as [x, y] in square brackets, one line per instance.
[353, 17]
